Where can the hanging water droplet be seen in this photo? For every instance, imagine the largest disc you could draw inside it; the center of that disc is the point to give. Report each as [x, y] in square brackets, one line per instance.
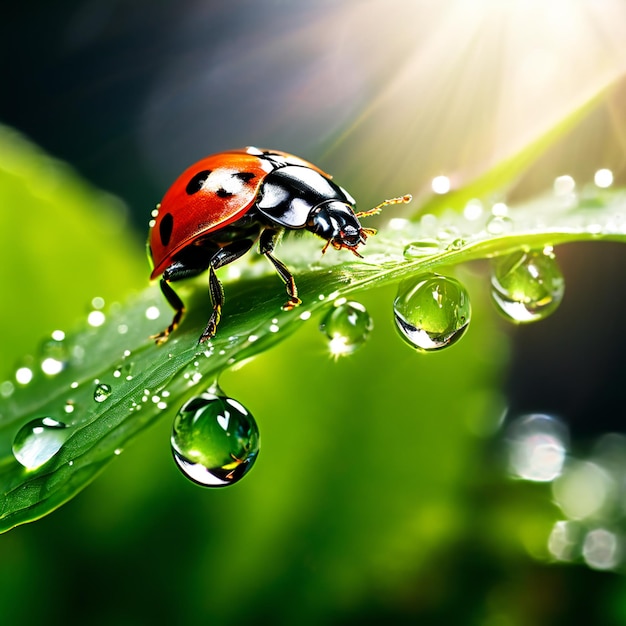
[102, 392]
[422, 247]
[432, 313]
[527, 286]
[54, 354]
[38, 441]
[347, 326]
[215, 440]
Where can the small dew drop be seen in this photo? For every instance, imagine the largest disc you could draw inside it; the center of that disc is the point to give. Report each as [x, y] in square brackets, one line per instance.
[500, 209]
[347, 326]
[54, 354]
[97, 302]
[96, 318]
[24, 375]
[499, 225]
[6, 389]
[153, 313]
[441, 184]
[215, 440]
[102, 392]
[527, 286]
[564, 185]
[603, 178]
[51, 366]
[421, 248]
[305, 315]
[537, 447]
[38, 441]
[473, 210]
[602, 549]
[432, 313]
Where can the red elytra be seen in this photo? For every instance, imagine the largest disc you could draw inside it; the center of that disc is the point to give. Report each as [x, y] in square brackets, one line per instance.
[202, 213]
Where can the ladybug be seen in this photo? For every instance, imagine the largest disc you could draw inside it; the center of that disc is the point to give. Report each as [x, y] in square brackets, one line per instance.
[219, 207]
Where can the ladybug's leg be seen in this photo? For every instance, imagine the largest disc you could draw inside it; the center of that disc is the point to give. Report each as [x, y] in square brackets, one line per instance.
[224, 256]
[176, 271]
[266, 247]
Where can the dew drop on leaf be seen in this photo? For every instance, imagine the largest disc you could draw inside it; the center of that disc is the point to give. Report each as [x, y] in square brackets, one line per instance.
[38, 441]
[102, 392]
[431, 313]
[423, 247]
[499, 225]
[215, 440]
[527, 286]
[54, 354]
[347, 326]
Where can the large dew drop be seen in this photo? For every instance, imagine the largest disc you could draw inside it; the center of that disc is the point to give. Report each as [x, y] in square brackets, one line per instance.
[432, 313]
[527, 286]
[215, 440]
[38, 441]
[347, 326]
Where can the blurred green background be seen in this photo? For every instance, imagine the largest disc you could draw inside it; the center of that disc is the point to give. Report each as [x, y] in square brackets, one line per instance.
[389, 488]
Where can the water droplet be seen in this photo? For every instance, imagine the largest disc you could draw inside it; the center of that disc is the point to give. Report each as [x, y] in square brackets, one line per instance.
[527, 286]
[347, 326]
[564, 185]
[215, 440]
[457, 244]
[603, 178]
[97, 302]
[96, 318]
[153, 313]
[432, 313]
[537, 447]
[38, 441]
[441, 184]
[54, 354]
[6, 389]
[499, 225]
[23, 375]
[423, 247]
[102, 392]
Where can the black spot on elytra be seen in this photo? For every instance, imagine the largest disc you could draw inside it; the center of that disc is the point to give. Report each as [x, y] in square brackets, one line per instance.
[195, 184]
[245, 176]
[222, 193]
[165, 228]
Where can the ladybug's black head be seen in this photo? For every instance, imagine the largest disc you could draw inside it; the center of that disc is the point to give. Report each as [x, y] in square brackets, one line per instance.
[336, 222]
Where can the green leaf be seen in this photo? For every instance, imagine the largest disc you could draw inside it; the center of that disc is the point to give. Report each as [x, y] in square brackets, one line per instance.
[63, 243]
[148, 381]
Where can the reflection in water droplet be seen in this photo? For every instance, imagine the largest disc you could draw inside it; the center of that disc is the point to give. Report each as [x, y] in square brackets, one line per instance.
[347, 326]
[432, 313]
[215, 440]
[537, 447]
[423, 247]
[527, 286]
[38, 441]
[102, 392]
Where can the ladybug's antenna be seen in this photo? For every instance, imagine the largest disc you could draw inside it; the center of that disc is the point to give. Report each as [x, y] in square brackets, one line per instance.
[377, 209]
